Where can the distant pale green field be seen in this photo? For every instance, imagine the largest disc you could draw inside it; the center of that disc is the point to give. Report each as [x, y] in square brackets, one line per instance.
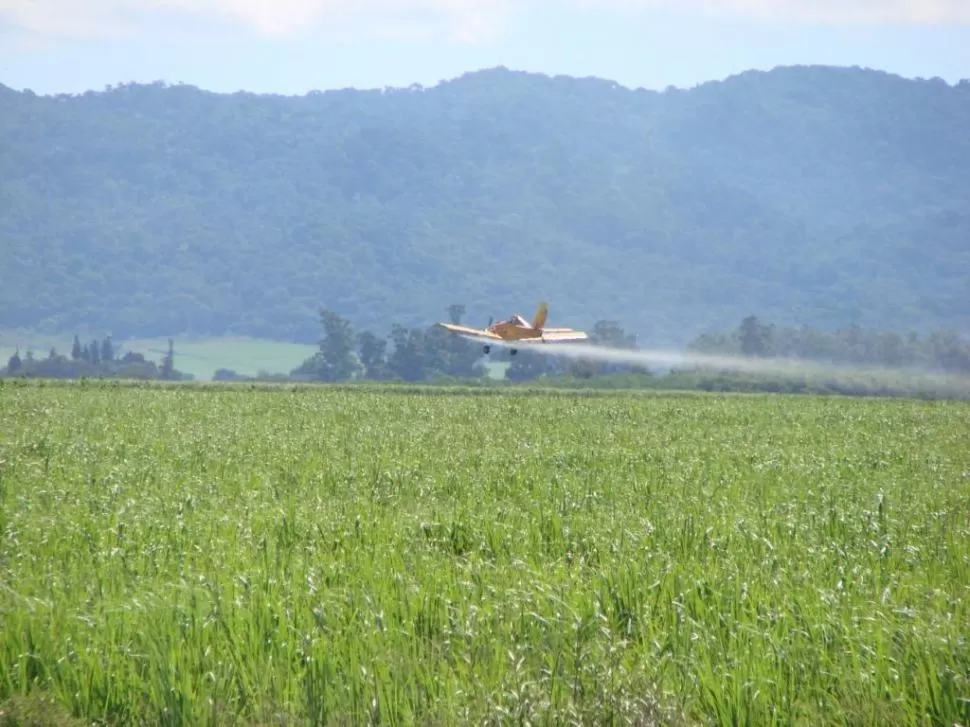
[200, 357]
[246, 356]
[303, 555]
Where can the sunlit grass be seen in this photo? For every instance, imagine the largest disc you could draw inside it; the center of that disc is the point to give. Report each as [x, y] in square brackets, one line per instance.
[176, 555]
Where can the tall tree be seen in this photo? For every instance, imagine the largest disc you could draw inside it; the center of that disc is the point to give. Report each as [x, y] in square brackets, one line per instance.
[755, 337]
[372, 352]
[408, 360]
[451, 355]
[337, 359]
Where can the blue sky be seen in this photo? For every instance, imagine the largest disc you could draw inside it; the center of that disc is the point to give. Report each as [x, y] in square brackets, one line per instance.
[293, 46]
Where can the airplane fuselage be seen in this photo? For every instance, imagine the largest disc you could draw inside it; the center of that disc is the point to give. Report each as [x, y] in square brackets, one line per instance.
[513, 332]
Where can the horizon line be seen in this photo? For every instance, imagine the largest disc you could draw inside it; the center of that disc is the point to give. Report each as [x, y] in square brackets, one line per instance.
[417, 87]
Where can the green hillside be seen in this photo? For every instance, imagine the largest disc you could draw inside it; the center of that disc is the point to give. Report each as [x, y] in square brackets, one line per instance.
[816, 195]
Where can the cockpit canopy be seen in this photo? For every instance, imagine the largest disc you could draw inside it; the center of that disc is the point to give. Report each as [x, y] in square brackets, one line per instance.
[519, 320]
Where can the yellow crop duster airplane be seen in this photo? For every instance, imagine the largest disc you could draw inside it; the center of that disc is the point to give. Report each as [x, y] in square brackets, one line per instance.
[518, 330]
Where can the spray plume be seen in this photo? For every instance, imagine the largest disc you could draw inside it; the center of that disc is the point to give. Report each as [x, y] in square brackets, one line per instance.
[908, 378]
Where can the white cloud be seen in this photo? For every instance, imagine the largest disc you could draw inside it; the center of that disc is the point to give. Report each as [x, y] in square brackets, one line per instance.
[61, 18]
[459, 20]
[466, 21]
[837, 12]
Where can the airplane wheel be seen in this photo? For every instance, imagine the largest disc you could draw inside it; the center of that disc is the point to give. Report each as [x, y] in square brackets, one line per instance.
[513, 352]
[487, 349]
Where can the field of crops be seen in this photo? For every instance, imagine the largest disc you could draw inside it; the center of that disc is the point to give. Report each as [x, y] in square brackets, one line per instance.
[190, 555]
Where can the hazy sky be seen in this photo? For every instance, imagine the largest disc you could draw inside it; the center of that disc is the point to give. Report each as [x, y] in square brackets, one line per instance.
[293, 46]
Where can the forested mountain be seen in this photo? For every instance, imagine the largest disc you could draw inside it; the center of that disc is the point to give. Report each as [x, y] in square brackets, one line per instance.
[810, 195]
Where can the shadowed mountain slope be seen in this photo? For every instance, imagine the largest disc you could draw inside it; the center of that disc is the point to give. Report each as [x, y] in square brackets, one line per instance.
[816, 195]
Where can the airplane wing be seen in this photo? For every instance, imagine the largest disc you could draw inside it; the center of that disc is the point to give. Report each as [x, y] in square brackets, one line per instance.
[469, 331]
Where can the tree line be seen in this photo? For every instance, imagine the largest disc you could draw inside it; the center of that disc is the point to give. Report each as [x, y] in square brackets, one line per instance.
[431, 354]
[95, 359]
[944, 351]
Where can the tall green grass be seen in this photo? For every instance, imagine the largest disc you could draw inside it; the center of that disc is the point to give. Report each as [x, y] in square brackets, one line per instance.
[177, 555]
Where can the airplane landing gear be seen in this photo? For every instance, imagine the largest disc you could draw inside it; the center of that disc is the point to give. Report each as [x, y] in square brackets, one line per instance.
[513, 351]
[486, 349]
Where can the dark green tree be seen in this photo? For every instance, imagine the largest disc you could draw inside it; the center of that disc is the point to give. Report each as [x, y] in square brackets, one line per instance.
[451, 355]
[949, 352]
[224, 374]
[852, 345]
[755, 337]
[421, 354]
[410, 357]
[336, 359]
[372, 352]
[604, 334]
[527, 365]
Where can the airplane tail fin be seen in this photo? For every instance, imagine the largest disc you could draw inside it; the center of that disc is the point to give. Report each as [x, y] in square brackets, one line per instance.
[540, 318]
